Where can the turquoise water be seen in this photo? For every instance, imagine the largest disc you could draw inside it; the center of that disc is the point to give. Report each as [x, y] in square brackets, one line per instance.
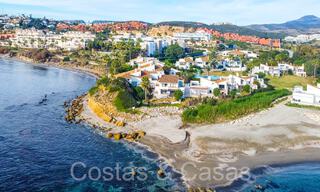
[212, 77]
[38, 148]
[303, 177]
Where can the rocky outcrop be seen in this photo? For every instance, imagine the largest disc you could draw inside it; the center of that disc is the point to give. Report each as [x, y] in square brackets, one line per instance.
[74, 110]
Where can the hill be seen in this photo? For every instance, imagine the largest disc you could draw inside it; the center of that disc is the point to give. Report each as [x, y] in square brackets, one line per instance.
[306, 24]
[225, 28]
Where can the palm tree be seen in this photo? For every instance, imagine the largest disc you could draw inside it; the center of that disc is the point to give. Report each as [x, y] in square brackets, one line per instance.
[145, 85]
[208, 68]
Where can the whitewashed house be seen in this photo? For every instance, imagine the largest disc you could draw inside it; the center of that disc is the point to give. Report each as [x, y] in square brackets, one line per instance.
[150, 70]
[311, 96]
[202, 62]
[282, 68]
[232, 65]
[184, 63]
[167, 85]
[205, 86]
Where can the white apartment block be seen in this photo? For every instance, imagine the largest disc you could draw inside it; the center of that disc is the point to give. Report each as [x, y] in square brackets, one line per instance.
[32, 38]
[197, 36]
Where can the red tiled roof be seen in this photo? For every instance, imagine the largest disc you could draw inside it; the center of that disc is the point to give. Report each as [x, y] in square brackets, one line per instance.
[169, 79]
[220, 80]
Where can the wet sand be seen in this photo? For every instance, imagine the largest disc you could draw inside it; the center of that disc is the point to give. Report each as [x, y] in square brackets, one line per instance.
[217, 154]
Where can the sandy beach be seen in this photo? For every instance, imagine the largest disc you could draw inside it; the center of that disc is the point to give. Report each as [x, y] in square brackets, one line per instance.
[279, 135]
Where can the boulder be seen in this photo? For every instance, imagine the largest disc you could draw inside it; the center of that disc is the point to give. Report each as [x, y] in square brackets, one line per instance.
[117, 136]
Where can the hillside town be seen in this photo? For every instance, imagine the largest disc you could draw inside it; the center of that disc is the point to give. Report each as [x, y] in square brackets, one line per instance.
[197, 53]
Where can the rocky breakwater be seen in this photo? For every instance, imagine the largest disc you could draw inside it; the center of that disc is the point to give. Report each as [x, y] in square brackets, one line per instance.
[131, 136]
[74, 110]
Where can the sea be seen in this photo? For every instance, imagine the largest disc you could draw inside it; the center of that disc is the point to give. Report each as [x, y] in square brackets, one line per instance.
[40, 151]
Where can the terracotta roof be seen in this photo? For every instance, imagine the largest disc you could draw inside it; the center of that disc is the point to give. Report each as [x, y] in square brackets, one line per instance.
[205, 58]
[145, 65]
[124, 74]
[169, 79]
[220, 80]
[236, 52]
[188, 59]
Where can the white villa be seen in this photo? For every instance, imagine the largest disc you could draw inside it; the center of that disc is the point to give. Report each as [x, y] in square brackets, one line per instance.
[205, 86]
[245, 53]
[280, 69]
[187, 62]
[184, 63]
[232, 65]
[311, 96]
[167, 85]
[202, 62]
[150, 67]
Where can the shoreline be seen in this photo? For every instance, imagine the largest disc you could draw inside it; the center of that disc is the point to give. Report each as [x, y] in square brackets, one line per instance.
[299, 147]
[194, 148]
[54, 65]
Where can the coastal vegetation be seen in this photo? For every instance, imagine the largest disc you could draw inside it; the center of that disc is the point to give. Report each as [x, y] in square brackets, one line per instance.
[121, 93]
[232, 109]
[302, 55]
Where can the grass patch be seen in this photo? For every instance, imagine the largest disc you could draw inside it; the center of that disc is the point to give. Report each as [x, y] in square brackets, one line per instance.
[302, 106]
[289, 81]
[232, 109]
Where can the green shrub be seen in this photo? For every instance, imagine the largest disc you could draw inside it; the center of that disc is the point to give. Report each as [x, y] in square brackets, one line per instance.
[127, 96]
[232, 109]
[66, 59]
[103, 81]
[93, 90]
[216, 92]
[246, 88]
[125, 100]
[139, 92]
[178, 94]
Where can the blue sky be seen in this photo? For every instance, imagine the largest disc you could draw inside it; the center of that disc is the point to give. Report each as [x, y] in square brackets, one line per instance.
[240, 12]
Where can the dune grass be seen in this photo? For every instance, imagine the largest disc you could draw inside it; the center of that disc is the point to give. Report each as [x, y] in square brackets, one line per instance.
[232, 109]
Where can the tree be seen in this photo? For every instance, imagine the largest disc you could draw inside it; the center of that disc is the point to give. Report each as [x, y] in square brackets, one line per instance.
[233, 93]
[311, 67]
[216, 92]
[145, 85]
[178, 94]
[66, 59]
[174, 52]
[246, 88]
[261, 75]
[282, 57]
[208, 68]
[257, 83]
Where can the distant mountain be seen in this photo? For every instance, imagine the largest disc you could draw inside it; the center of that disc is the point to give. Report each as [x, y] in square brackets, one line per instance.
[224, 28]
[306, 24]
